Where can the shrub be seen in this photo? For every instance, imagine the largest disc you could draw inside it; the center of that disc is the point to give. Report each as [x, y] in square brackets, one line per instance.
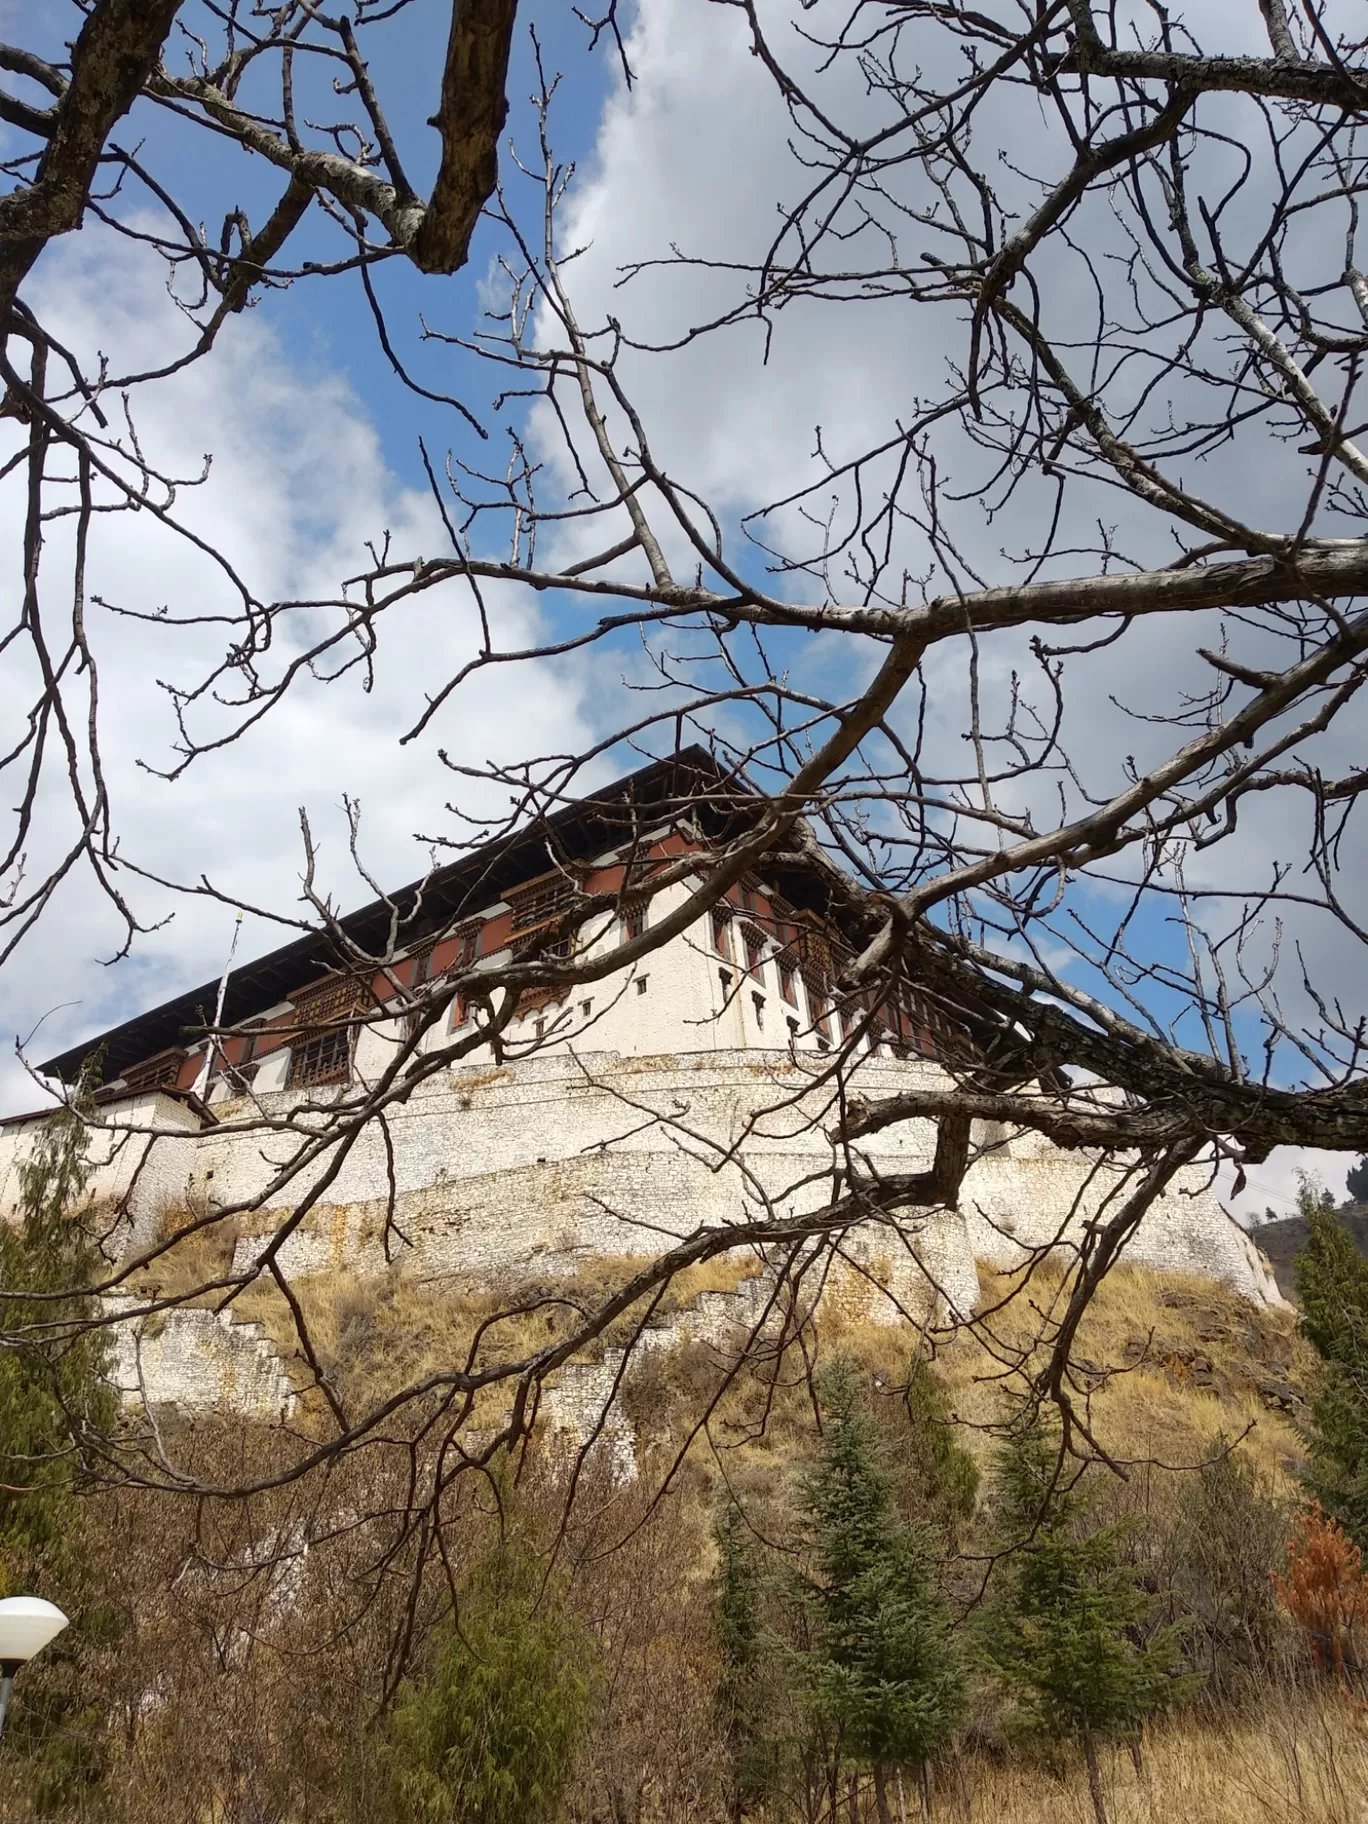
[1332, 1280]
[490, 1734]
[1067, 1630]
[1326, 1592]
[883, 1673]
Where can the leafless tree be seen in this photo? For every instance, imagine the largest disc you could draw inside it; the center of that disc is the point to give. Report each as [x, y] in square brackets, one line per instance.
[1129, 244]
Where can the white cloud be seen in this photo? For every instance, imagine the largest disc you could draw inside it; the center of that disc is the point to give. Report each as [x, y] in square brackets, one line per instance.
[697, 156]
[298, 482]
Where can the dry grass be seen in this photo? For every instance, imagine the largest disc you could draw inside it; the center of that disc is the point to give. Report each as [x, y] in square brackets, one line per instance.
[1301, 1760]
[374, 1334]
[1167, 1363]
[192, 1261]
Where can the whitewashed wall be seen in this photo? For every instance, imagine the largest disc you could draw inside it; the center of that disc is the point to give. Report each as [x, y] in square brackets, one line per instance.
[645, 1115]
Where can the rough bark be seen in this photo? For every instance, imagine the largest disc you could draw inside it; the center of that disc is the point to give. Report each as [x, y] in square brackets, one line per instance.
[117, 49]
[1094, 1779]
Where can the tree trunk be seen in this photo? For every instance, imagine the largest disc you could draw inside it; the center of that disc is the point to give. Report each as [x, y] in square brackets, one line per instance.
[853, 1797]
[924, 1787]
[1094, 1779]
[881, 1793]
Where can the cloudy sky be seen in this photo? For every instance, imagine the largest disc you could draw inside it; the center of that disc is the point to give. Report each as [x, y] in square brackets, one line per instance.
[314, 451]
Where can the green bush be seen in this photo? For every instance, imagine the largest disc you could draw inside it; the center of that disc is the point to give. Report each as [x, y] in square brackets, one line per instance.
[1332, 1282]
[883, 1674]
[1067, 1632]
[489, 1735]
[55, 1400]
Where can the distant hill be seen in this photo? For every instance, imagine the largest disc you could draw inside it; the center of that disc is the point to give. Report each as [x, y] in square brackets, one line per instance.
[1282, 1241]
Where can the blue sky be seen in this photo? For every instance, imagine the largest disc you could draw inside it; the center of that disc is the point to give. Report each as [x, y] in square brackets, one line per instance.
[316, 447]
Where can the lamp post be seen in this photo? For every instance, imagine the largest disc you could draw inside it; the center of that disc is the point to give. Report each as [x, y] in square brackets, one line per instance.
[27, 1624]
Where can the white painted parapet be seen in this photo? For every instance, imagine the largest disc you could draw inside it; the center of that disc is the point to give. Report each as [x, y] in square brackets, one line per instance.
[543, 1166]
[200, 1361]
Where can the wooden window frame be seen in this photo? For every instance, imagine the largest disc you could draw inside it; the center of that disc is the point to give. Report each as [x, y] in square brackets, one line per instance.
[160, 1071]
[634, 920]
[755, 942]
[321, 1058]
[722, 917]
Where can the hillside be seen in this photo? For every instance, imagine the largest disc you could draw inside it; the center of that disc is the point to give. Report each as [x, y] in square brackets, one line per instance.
[1283, 1240]
[1196, 1397]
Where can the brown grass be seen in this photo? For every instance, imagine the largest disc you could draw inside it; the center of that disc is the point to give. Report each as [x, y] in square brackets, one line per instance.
[192, 1261]
[1301, 1760]
[374, 1333]
[1143, 1398]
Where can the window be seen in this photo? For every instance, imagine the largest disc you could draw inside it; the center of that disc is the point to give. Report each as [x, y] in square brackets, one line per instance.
[788, 980]
[634, 921]
[817, 1006]
[325, 1058]
[157, 1072]
[324, 1018]
[586, 1008]
[725, 977]
[238, 1073]
[540, 902]
[721, 930]
[472, 942]
[754, 940]
[758, 1002]
[641, 981]
[793, 1030]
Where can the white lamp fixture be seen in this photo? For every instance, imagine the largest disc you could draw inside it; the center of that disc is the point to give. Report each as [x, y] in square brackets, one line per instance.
[27, 1624]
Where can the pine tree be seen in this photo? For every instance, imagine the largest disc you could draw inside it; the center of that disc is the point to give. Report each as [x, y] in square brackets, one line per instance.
[1356, 1181]
[743, 1694]
[942, 1476]
[1332, 1282]
[55, 1404]
[490, 1735]
[883, 1671]
[1066, 1631]
[55, 1398]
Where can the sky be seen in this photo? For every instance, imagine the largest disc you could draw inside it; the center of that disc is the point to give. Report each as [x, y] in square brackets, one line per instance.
[315, 449]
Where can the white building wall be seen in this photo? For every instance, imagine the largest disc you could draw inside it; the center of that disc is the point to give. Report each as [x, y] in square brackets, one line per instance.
[654, 1113]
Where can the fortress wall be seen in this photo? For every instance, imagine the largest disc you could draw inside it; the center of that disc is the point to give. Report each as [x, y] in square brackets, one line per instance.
[200, 1360]
[141, 1153]
[1033, 1193]
[542, 1166]
[543, 1163]
[547, 1163]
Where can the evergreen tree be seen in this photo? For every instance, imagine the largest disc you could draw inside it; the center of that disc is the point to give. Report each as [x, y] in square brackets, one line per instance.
[883, 1671]
[55, 1402]
[942, 1476]
[1356, 1181]
[490, 1735]
[1332, 1282]
[1066, 1632]
[54, 1395]
[743, 1695]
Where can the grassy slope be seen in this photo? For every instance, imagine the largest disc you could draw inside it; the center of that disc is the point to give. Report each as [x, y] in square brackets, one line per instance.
[1166, 1367]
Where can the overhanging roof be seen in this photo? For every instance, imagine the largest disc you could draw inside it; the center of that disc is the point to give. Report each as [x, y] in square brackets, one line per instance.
[601, 821]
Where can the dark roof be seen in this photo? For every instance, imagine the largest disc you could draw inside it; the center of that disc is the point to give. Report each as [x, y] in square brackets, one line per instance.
[603, 820]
